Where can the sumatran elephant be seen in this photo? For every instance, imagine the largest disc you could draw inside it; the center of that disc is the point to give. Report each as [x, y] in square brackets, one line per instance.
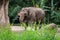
[31, 14]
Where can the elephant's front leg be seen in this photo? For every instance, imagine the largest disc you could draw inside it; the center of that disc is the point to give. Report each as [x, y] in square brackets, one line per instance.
[26, 25]
[36, 25]
[40, 24]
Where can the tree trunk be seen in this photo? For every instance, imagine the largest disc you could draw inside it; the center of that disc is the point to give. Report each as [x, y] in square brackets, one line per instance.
[4, 19]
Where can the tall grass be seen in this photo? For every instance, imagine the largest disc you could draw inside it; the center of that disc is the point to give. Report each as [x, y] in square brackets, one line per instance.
[5, 33]
[45, 33]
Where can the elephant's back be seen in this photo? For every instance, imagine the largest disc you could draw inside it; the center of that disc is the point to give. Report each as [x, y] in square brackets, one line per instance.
[36, 13]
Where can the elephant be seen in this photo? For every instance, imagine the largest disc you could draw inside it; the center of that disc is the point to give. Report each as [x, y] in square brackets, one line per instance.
[31, 14]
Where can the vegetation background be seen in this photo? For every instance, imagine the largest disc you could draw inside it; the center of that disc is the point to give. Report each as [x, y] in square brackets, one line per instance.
[51, 7]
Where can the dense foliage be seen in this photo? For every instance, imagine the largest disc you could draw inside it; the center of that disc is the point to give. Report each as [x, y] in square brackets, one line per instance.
[51, 7]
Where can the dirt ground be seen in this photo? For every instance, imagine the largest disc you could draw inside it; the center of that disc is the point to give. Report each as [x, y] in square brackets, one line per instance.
[59, 30]
[19, 28]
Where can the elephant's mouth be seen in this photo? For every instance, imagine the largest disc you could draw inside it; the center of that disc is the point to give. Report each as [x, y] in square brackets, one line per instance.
[25, 19]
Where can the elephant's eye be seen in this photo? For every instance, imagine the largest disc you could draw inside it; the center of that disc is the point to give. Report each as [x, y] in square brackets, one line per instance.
[24, 13]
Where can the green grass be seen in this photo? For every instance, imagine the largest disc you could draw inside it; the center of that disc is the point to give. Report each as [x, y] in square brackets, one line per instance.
[45, 33]
[58, 36]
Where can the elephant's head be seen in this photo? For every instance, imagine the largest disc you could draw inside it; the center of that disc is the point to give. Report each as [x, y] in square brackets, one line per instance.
[23, 14]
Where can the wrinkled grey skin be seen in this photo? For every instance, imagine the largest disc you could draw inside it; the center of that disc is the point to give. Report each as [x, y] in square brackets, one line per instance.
[31, 14]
